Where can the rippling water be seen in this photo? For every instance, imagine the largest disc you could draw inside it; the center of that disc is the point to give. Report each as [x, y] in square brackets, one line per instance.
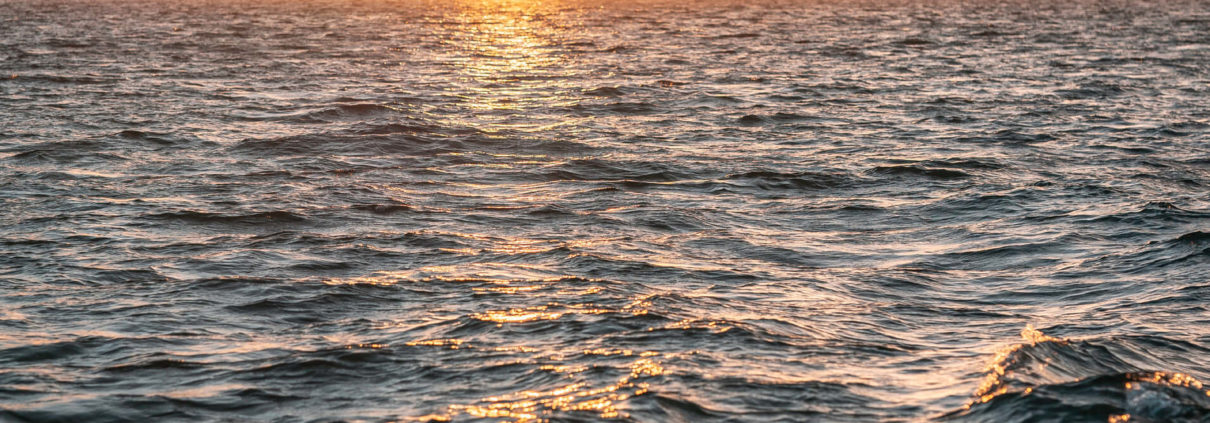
[653, 211]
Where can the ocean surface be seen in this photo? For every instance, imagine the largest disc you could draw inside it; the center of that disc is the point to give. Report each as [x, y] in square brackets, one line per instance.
[581, 211]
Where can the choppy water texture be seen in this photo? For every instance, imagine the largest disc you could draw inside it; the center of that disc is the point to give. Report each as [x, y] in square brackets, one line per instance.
[509, 210]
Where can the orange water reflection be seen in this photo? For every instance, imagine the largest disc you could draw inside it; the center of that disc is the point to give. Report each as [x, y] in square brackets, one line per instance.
[529, 282]
[515, 72]
[510, 58]
[532, 405]
[993, 385]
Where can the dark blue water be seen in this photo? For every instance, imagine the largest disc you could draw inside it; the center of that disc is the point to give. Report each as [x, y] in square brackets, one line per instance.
[649, 211]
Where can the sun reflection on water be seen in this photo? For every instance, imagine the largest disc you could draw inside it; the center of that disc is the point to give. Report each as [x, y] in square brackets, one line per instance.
[511, 59]
[578, 390]
[531, 405]
[578, 395]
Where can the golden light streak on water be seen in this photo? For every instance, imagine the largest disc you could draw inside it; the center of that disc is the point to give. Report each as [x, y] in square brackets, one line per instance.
[453, 344]
[531, 405]
[508, 53]
[517, 315]
[991, 387]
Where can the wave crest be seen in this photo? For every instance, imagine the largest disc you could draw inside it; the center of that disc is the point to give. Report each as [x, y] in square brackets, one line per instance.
[1053, 379]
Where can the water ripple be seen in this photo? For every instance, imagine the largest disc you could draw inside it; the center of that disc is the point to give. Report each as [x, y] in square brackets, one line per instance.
[565, 210]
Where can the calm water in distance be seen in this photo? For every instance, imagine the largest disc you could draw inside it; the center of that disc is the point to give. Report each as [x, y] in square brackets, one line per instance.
[648, 211]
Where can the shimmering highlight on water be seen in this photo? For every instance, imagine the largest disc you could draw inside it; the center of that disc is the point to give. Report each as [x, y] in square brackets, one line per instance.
[572, 210]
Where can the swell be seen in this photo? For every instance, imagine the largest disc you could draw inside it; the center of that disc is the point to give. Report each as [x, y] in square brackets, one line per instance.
[1100, 379]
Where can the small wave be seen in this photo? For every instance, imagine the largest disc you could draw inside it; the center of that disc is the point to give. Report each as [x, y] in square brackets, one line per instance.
[354, 111]
[376, 140]
[1195, 237]
[330, 114]
[737, 35]
[155, 138]
[43, 352]
[665, 83]
[86, 150]
[384, 208]
[632, 108]
[274, 217]
[605, 92]
[750, 119]
[1091, 91]
[776, 117]
[739, 398]
[87, 79]
[154, 365]
[1187, 249]
[914, 42]
[1003, 257]
[988, 33]
[939, 173]
[790, 180]
[230, 283]
[614, 170]
[1055, 379]
[1153, 213]
[1012, 137]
